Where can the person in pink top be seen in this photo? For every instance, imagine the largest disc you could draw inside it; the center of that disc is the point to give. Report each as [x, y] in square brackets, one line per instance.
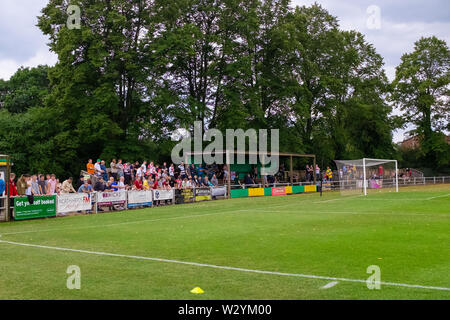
[51, 189]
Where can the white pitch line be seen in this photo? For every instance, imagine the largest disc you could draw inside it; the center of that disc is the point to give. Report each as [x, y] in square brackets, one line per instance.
[339, 199]
[330, 285]
[222, 267]
[445, 195]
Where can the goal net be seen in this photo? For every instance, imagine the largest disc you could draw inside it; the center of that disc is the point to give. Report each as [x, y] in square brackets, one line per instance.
[367, 175]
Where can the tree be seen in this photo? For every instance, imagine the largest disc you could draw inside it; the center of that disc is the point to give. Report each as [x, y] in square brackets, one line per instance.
[421, 91]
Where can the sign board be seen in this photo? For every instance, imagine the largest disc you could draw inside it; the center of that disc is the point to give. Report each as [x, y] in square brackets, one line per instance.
[184, 196]
[140, 198]
[72, 202]
[219, 191]
[42, 207]
[279, 191]
[111, 198]
[163, 194]
[202, 194]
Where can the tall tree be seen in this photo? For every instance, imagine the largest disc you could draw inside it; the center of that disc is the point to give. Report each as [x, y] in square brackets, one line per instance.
[421, 90]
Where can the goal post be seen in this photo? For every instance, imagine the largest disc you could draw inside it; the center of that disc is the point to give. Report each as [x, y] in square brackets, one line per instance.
[367, 174]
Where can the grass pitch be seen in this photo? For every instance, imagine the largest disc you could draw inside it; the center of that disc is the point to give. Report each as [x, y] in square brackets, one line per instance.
[252, 248]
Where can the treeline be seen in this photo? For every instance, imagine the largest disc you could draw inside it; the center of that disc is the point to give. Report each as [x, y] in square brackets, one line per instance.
[137, 70]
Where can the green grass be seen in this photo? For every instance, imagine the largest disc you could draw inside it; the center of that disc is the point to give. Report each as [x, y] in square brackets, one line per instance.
[406, 234]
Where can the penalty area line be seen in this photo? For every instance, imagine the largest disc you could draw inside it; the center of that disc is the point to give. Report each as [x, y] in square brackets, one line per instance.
[212, 266]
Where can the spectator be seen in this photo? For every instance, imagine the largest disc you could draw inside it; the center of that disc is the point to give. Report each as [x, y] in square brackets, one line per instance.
[2, 187]
[121, 186]
[104, 172]
[12, 186]
[109, 185]
[182, 170]
[35, 189]
[127, 173]
[21, 185]
[51, 184]
[58, 186]
[100, 185]
[138, 182]
[214, 180]
[248, 181]
[113, 168]
[90, 167]
[85, 188]
[206, 182]
[172, 170]
[98, 168]
[28, 191]
[67, 186]
[79, 183]
[119, 168]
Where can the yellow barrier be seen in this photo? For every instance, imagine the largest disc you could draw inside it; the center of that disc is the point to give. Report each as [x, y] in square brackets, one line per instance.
[288, 190]
[256, 192]
[311, 188]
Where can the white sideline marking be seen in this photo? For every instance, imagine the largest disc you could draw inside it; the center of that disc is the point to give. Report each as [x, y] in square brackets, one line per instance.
[339, 199]
[330, 285]
[221, 267]
[445, 195]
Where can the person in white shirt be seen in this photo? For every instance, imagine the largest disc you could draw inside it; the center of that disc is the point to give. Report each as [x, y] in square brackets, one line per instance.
[98, 169]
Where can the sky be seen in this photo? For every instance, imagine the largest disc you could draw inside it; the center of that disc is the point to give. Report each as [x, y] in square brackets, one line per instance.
[400, 24]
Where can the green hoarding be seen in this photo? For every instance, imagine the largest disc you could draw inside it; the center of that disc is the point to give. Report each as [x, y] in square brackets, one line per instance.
[42, 207]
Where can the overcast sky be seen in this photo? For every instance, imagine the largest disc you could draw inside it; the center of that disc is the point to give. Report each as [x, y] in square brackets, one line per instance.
[402, 23]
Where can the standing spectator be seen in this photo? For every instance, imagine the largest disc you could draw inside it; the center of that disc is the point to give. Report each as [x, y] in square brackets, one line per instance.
[79, 183]
[317, 173]
[182, 170]
[12, 186]
[113, 168]
[67, 186]
[58, 186]
[172, 171]
[90, 167]
[308, 176]
[98, 168]
[85, 188]
[329, 174]
[214, 181]
[21, 185]
[119, 168]
[2, 187]
[104, 172]
[380, 172]
[42, 185]
[51, 184]
[127, 173]
[28, 191]
[35, 190]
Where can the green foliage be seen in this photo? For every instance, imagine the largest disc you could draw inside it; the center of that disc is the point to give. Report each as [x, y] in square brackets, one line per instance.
[137, 70]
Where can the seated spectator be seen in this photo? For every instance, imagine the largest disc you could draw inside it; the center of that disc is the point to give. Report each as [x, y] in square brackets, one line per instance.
[100, 185]
[109, 185]
[138, 182]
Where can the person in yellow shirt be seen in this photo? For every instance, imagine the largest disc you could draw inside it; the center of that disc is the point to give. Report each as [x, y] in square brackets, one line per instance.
[90, 167]
[329, 174]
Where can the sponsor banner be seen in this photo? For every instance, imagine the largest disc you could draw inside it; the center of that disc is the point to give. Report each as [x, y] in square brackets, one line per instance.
[278, 191]
[111, 198]
[298, 189]
[140, 198]
[288, 190]
[256, 192]
[163, 194]
[239, 193]
[42, 207]
[202, 194]
[184, 196]
[219, 191]
[73, 202]
[311, 188]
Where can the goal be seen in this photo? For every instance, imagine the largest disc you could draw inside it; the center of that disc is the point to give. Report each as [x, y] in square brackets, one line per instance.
[364, 175]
